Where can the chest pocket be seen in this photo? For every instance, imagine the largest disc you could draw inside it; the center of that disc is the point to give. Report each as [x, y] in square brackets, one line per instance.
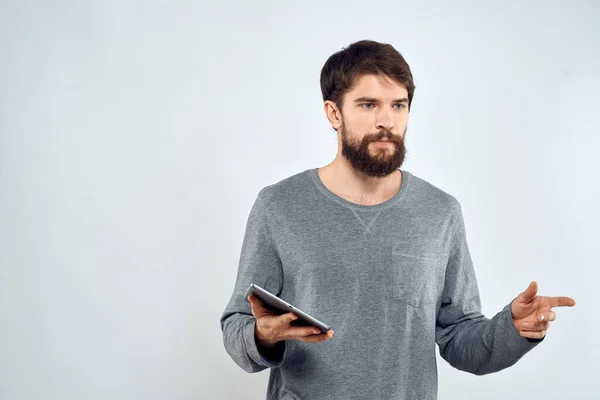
[414, 278]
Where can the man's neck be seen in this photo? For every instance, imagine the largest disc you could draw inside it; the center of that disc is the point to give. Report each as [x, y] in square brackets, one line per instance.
[348, 183]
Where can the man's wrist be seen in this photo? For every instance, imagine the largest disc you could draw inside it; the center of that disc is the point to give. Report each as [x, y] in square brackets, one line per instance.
[261, 342]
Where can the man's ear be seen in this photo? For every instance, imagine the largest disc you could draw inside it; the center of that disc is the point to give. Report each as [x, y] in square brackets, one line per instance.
[333, 114]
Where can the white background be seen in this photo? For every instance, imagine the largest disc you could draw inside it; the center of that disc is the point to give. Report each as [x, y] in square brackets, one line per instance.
[135, 136]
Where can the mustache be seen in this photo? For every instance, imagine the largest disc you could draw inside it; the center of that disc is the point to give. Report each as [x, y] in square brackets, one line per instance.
[373, 137]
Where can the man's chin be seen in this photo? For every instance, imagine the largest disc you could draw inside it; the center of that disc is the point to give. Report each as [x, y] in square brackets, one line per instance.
[379, 173]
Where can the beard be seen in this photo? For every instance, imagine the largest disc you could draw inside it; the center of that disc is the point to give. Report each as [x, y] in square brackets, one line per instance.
[380, 164]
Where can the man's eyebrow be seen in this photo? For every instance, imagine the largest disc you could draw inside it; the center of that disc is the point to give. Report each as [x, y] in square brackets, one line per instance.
[374, 100]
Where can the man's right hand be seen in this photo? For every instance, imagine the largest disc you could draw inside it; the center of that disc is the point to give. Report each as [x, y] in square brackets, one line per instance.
[272, 328]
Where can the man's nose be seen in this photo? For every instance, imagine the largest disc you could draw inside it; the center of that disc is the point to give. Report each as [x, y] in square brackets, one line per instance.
[384, 120]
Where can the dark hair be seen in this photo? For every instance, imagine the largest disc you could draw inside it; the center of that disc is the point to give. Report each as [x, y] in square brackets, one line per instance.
[342, 69]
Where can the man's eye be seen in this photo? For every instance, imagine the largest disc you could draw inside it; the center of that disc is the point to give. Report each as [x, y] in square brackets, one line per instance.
[399, 106]
[367, 105]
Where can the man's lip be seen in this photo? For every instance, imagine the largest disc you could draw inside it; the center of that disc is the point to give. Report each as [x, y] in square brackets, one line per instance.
[383, 142]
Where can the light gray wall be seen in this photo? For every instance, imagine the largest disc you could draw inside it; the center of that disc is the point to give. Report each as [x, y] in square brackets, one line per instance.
[134, 137]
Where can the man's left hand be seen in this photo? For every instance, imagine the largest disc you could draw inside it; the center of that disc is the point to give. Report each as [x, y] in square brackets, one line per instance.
[532, 314]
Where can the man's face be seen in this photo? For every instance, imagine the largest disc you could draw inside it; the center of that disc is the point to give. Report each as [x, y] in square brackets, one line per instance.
[374, 120]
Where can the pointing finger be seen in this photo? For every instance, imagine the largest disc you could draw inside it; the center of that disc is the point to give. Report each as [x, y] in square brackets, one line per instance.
[561, 302]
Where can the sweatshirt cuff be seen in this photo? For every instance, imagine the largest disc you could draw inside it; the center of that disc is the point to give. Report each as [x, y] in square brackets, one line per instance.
[273, 360]
[520, 343]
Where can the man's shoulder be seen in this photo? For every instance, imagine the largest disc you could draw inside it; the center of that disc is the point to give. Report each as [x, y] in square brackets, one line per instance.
[286, 189]
[425, 191]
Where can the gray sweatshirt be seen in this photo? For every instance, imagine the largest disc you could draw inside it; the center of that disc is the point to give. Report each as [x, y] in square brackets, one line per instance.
[391, 279]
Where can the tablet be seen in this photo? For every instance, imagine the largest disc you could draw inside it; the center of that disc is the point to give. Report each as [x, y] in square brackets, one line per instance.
[279, 307]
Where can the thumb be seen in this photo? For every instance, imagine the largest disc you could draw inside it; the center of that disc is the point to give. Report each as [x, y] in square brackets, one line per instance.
[528, 294]
[258, 310]
[285, 320]
[290, 317]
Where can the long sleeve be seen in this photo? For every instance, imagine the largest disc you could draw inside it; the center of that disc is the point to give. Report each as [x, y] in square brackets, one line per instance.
[260, 264]
[467, 339]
